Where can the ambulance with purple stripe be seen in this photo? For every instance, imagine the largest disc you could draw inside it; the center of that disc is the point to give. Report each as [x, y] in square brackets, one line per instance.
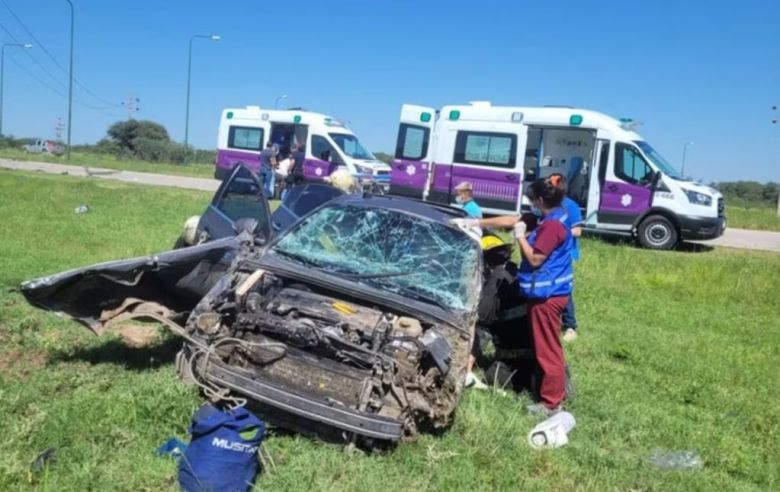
[330, 144]
[620, 181]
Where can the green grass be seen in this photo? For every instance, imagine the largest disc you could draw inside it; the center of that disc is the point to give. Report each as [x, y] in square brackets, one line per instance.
[677, 351]
[761, 217]
[91, 159]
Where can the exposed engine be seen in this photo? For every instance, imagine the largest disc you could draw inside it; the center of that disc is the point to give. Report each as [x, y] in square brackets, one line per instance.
[328, 347]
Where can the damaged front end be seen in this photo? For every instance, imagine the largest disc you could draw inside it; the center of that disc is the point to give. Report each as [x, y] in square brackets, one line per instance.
[321, 357]
[336, 353]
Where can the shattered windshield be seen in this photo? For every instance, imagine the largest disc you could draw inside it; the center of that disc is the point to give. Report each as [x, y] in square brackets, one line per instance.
[351, 146]
[389, 250]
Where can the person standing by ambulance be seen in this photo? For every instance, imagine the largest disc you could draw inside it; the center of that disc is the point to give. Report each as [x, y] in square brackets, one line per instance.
[575, 224]
[465, 198]
[545, 279]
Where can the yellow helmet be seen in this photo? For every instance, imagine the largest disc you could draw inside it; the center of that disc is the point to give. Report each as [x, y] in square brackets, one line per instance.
[490, 242]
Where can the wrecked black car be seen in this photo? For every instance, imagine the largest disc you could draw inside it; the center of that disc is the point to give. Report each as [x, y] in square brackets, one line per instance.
[354, 323]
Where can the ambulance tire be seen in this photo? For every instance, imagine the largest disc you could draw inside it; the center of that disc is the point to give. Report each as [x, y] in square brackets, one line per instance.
[657, 232]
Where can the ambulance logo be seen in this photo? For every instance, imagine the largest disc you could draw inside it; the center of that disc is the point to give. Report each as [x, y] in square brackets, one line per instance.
[625, 200]
[410, 170]
[318, 171]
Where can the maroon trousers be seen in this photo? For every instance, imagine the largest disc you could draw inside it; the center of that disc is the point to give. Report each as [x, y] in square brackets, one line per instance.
[545, 318]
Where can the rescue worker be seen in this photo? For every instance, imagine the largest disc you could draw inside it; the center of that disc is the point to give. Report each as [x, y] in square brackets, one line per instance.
[545, 281]
[498, 284]
[575, 224]
[465, 197]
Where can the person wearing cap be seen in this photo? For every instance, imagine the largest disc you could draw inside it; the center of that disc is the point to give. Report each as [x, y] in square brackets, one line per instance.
[465, 198]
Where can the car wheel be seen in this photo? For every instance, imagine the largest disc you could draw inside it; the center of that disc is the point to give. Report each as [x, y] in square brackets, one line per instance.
[657, 232]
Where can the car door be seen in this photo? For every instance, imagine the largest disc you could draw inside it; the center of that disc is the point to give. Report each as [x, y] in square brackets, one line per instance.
[238, 197]
[413, 153]
[627, 191]
[300, 201]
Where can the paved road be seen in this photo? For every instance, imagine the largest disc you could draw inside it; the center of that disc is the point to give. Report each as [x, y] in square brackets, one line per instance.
[204, 184]
[734, 238]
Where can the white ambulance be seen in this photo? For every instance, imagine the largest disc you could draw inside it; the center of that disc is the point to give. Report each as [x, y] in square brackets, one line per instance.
[621, 183]
[244, 132]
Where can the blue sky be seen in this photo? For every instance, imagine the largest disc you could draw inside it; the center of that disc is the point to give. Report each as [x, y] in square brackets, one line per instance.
[706, 71]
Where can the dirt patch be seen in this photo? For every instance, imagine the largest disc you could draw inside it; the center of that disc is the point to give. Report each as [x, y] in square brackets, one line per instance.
[138, 336]
[18, 361]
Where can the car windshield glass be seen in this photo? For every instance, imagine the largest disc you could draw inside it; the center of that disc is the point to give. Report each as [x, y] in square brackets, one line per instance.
[351, 146]
[410, 256]
[658, 160]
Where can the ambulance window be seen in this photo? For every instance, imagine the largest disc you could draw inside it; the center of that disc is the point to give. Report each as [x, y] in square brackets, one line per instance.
[322, 149]
[630, 166]
[412, 142]
[246, 138]
[486, 149]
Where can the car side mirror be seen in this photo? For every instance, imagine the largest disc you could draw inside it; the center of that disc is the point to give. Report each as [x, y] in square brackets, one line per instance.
[245, 225]
[656, 180]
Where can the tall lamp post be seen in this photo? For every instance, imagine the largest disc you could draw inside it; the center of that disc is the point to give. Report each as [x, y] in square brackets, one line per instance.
[2, 74]
[685, 149]
[276, 102]
[213, 37]
[70, 77]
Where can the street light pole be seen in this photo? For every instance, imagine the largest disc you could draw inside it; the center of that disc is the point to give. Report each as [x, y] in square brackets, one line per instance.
[213, 37]
[70, 77]
[2, 75]
[276, 102]
[685, 148]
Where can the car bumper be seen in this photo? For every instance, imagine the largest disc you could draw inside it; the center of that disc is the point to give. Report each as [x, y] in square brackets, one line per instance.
[305, 412]
[693, 227]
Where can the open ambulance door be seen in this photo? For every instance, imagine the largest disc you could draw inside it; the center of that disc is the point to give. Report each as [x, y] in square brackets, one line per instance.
[413, 159]
[597, 179]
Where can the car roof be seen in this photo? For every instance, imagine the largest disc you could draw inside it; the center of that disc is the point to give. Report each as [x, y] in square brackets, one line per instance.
[432, 211]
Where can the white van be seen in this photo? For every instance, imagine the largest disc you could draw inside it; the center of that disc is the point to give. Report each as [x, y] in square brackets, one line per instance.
[622, 184]
[244, 132]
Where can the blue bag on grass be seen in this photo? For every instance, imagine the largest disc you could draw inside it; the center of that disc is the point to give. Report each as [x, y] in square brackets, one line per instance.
[222, 455]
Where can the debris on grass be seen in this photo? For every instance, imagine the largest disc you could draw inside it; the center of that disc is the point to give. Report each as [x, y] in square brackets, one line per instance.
[553, 432]
[138, 336]
[675, 460]
[81, 209]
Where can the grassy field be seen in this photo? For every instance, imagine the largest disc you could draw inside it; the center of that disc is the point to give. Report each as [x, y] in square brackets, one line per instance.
[91, 159]
[678, 352]
[753, 217]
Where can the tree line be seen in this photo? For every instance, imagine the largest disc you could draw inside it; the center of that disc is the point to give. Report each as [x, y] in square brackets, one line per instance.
[750, 193]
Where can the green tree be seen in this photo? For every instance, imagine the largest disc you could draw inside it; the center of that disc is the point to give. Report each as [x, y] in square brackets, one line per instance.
[127, 134]
[386, 158]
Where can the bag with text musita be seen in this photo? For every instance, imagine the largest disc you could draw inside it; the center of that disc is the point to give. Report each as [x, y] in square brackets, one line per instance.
[222, 456]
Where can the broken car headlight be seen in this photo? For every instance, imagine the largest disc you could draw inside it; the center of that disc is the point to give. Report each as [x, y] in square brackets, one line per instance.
[697, 198]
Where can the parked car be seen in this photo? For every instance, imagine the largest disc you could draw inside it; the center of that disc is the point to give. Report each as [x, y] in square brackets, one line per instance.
[44, 147]
[352, 323]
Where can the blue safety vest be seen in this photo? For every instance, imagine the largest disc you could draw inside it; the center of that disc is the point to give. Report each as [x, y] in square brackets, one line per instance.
[553, 277]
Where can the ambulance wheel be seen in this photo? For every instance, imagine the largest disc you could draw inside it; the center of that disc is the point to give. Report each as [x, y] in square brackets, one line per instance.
[657, 232]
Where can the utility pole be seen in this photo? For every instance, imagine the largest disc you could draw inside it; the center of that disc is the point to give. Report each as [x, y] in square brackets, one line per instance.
[774, 122]
[213, 37]
[70, 76]
[131, 105]
[685, 151]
